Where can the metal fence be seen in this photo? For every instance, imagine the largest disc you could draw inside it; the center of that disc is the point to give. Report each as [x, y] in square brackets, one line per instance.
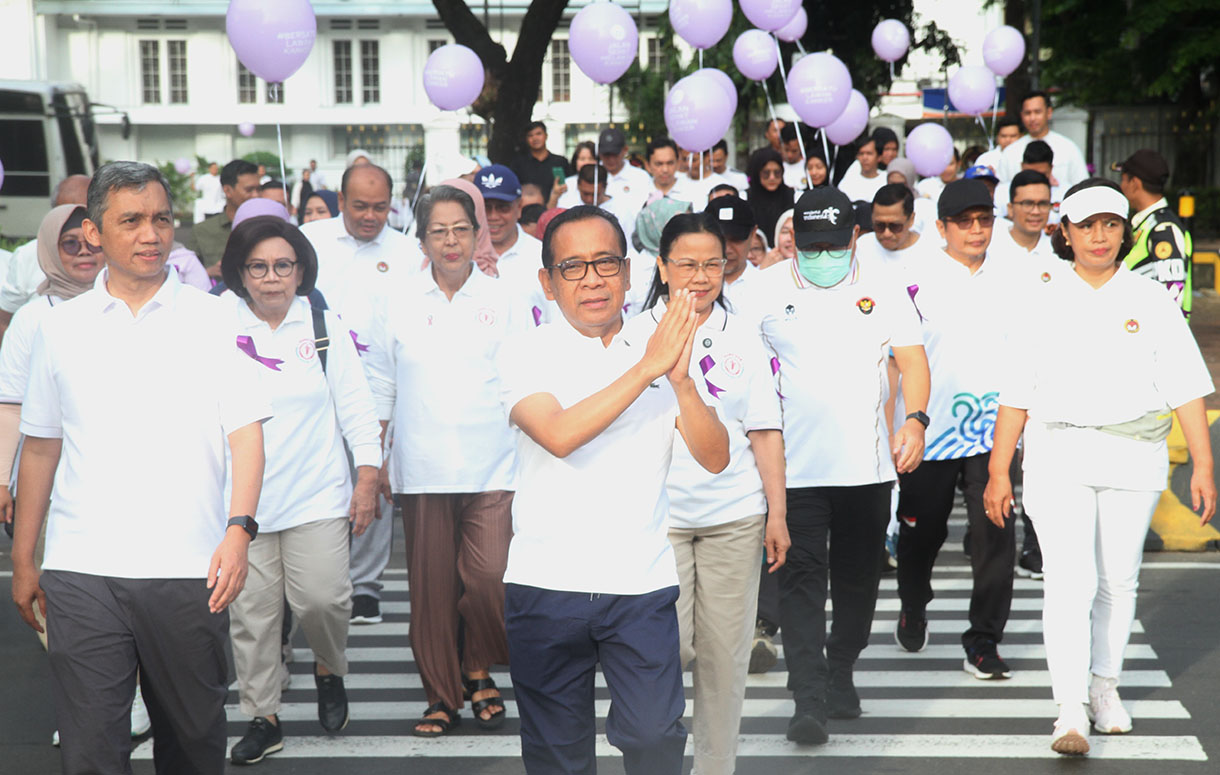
[1189, 141]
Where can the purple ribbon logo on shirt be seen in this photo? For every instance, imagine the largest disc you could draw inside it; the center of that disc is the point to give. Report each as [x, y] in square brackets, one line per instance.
[705, 366]
[246, 345]
[911, 291]
[775, 373]
[537, 316]
[361, 348]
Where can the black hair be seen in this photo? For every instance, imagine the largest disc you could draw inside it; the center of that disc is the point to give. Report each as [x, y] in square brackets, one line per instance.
[1046, 98]
[723, 187]
[272, 185]
[246, 236]
[572, 215]
[1059, 241]
[423, 210]
[347, 173]
[883, 136]
[971, 155]
[576, 152]
[788, 133]
[892, 194]
[535, 125]
[868, 141]
[589, 170]
[657, 143]
[235, 169]
[530, 213]
[721, 145]
[1038, 152]
[1026, 178]
[679, 226]
[863, 212]
[1008, 121]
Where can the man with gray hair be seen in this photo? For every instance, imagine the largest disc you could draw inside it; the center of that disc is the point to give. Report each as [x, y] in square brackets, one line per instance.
[140, 561]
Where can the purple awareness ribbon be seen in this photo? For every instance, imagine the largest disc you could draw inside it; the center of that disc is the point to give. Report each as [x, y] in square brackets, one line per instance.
[361, 348]
[537, 316]
[911, 291]
[775, 373]
[246, 345]
[705, 366]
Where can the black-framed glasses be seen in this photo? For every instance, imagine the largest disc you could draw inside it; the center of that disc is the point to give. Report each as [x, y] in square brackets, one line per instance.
[986, 220]
[1030, 204]
[686, 267]
[282, 268]
[576, 269]
[72, 246]
[881, 227]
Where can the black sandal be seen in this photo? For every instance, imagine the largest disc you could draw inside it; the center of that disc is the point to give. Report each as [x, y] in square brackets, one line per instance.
[452, 720]
[474, 685]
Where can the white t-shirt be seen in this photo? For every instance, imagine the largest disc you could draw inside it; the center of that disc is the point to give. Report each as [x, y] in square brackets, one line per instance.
[861, 189]
[831, 346]
[144, 405]
[643, 268]
[432, 367]
[687, 189]
[873, 257]
[733, 375]
[596, 520]
[211, 193]
[23, 277]
[737, 179]
[17, 345]
[930, 188]
[1069, 167]
[1003, 244]
[518, 267]
[794, 174]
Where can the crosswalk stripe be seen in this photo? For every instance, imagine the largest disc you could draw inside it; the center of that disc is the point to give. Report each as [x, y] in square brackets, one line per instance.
[942, 583]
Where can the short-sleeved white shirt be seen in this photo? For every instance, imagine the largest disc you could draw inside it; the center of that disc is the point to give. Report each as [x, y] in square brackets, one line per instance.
[306, 476]
[17, 344]
[518, 268]
[594, 521]
[832, 346]
[144, 405]
[23, 277]
[873, 257]
[1069, 167]
[733, 375]
[432, 367]
[1002, 244]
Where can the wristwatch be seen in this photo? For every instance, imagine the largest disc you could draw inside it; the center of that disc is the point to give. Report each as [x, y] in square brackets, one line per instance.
[245, 523]
[920, 417]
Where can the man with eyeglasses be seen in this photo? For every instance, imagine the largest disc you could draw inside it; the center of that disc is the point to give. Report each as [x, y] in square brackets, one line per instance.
[961, 297]
[893, 242]
[1029, 210]
[591, 574]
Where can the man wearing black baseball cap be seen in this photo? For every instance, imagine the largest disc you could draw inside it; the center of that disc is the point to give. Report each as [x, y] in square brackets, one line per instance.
[735, 220]
[626, 182]
[1162, 245]
[831, 328]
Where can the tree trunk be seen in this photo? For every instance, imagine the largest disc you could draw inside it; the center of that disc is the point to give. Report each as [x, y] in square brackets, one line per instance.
[1016, 84]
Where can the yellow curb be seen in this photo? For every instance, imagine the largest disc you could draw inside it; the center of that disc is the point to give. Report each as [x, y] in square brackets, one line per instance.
[1173, 520]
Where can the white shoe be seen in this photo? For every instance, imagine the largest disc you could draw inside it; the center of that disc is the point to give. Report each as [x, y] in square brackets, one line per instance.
[1106, 707]
[1071, 735]
[140, 723]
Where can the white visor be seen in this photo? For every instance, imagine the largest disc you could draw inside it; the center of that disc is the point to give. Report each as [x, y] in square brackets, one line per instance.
[1090, 201]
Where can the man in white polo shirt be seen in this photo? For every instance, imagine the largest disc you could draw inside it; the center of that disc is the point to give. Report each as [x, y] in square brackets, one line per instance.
[1036, 113]
[135, 387]
[893, 241]
[1023, 237]
[520, 254]
[831, 325]
[591, 575]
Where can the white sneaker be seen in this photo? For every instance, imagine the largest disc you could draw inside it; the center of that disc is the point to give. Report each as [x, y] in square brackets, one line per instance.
[1071, 735]
[1106, 707]
[140, 723]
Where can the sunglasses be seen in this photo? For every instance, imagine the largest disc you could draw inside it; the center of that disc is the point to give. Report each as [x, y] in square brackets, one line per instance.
[771, 173]
[72, 246]
[881, 227]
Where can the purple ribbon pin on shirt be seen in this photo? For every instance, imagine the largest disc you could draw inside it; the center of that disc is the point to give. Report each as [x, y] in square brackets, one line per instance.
[705, 366]
[537, 316]
[246, 345]
[911, 291]
[361, 348]
[775, 373]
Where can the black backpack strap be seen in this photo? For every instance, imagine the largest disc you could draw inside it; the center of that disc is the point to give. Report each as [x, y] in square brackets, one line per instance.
[321, 340]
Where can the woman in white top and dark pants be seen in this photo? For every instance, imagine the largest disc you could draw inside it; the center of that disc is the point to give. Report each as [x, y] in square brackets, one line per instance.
[321, 398]
[1093, 376]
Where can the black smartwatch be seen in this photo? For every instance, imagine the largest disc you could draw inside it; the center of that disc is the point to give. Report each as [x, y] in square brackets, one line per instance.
[920, 417]
[245, 523]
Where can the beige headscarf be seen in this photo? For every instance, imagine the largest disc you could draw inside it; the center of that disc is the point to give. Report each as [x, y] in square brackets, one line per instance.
[59, 282]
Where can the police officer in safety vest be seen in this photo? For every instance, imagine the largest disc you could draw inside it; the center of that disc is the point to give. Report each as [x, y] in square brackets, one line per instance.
[1162, 245]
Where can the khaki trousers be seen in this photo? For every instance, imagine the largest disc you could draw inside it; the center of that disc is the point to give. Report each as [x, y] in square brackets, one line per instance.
[308, 565]
[717, 608]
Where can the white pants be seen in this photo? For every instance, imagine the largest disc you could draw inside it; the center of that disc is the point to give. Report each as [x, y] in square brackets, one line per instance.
[1092, 542]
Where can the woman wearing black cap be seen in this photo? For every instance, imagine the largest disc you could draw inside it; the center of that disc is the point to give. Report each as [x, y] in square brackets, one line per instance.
[1092, 380]
[769, 195]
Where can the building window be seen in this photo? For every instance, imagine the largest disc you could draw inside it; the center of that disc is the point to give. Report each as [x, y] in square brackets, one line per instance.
[175, 52]
[656, 54]
[275, 94]
[370, 72]
[247, 85]
[150, 71]
[433, 45]
[343, 71]
[561, 72]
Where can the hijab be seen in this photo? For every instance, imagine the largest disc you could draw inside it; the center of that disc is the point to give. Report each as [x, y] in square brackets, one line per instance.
[330, 198]
[59, 282]
[485, 255]
[784, 217]
[651, 222]
[907, 168]
[767, 205]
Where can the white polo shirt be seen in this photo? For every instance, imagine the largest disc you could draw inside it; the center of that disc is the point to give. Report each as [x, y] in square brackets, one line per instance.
[306, 476]
[17, 345]
[832, 346]
[874, 257]
[1002, 244]
[859, 188]
[518, 267]
[733, 375]
[144, 405]
[1091, 357]
[432, 367]
[1069, 167]
[629, 183]
[594, 521]
[23, 277]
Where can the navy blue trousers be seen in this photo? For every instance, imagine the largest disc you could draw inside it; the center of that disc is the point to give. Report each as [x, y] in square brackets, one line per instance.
[555, 641]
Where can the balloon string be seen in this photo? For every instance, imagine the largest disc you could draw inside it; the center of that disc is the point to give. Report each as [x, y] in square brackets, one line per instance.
[779, 58]
[801, 48]
[407, 223]
[279, 138]
[700, 59]
[983, 126]
[891, 74]
[597, 154]
[825, 150]
[995, 107]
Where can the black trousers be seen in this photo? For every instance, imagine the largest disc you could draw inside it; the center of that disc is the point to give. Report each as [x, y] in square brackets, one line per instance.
[101, 630]
[838, 534]
[925, 498]
[768, 598]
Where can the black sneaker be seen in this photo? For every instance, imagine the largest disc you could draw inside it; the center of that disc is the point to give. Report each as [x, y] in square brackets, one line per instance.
[912, 631]
[332, 702]
[983, 662]
[262, 738]
[842, 702]
[763, 654]
[366, 609]
[808, 726]
[1030, 565]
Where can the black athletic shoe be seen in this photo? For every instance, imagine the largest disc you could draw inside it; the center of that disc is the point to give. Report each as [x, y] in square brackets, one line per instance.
[983, 662]
[842, 702]
[808, 726]
[912, 631]
[366, 609]
[332, 702]
[262, 738]
[1030, 565]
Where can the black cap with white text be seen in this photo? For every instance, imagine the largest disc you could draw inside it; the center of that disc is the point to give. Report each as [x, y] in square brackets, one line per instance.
[823, 215]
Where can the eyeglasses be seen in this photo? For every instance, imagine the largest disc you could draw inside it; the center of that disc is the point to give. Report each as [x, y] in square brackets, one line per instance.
[881, 227]
[770, 173]
[1029, 204]
[986, 220]
[460, 232]
[575, 269]
[282, 268]
[685, 267]
[72, 246]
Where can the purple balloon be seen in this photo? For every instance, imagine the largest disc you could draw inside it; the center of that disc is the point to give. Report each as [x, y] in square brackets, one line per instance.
[770, 15]
[851, 122]
[701, 23]
[819, 87]
[252, 208]
[272, 38]
[1004, 50]
[723, 81]
[246, 129]
[794, 30]
[891, 39]
[755, 55]
[183, 165]
[972, 89]
[930, 149]
[453, 77]
[1, 174]
[697, 112]
[603, 41]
